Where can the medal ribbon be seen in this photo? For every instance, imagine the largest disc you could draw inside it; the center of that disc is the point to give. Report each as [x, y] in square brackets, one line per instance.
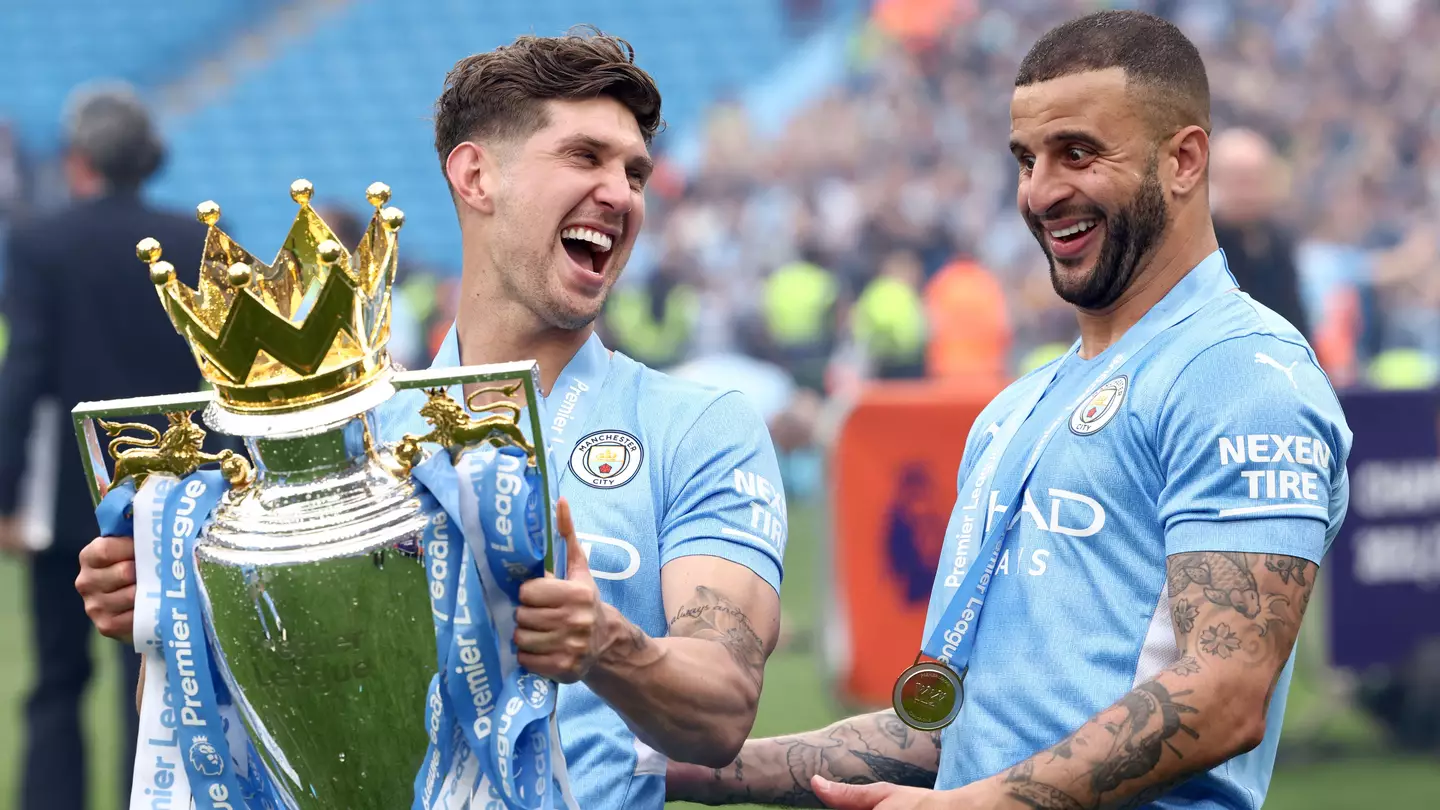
[949, 635]
[570, 406]
[462, 694]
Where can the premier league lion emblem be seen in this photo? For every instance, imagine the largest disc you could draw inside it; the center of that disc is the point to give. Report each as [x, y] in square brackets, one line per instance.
[204, 758]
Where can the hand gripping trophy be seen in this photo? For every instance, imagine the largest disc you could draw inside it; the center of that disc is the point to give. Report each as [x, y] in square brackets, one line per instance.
[329, 623]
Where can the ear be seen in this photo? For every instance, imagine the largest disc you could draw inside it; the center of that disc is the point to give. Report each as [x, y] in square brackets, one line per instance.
[471, 170]
[1190, 152]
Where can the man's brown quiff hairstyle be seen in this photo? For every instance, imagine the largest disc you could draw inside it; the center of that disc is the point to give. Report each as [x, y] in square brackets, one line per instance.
[501, 94]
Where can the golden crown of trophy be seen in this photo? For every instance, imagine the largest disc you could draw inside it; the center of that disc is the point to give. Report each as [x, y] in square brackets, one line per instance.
[313, 587]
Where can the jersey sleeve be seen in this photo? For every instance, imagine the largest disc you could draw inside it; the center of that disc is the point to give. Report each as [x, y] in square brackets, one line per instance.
[1252, 446]
[982, 430]
[726, 498]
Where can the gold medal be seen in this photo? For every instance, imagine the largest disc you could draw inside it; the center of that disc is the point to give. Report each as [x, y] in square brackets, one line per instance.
[928, 696]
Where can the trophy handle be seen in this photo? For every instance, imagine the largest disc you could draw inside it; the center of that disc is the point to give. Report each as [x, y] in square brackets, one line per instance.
[179, 458]
[520, 381]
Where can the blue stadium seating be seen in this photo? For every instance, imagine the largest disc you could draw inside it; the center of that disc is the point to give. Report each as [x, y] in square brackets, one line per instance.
[52, 46]
[351, 102]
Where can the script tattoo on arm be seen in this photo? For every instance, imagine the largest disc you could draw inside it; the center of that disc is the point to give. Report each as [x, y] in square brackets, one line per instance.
[874, 747]
[1236, 617]
[709, 615]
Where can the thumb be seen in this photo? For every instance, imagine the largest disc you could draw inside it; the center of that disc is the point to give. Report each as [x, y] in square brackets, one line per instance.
[577, 566]
[851, 797]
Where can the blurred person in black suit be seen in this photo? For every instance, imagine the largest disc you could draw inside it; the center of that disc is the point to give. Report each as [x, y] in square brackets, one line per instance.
[85, 325]
[1245, 184]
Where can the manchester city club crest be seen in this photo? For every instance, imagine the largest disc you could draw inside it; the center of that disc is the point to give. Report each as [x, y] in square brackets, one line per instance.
[1097, 411]
[606, 458]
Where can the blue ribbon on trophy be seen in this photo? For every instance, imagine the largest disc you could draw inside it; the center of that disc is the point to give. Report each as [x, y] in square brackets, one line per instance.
[277, 605]
[185, 747]
[500, 710]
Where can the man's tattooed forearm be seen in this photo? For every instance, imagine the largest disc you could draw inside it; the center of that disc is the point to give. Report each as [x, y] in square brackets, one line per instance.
[1151, 715]
[712, 616]
[904, 736]
[1021, 784]
[861, 750]
[1044, 797]
[1123, 744]
[892, 769]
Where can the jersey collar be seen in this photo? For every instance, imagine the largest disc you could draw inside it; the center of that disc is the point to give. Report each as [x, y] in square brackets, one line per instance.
[586, 363]
[1211, 276]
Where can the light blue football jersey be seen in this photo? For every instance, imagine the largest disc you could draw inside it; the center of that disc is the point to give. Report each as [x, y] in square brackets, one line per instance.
[1224, 436]
[654, 469]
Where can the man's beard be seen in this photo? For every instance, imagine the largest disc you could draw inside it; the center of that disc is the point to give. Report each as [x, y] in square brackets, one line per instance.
[528, 278]
[535, 291]
[1129, 237]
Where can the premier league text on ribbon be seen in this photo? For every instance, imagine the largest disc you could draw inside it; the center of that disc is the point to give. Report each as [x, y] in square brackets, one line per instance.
[472, 669]
[508, 485]
[956, 633]
[967, 526]
[163, 778]
[183, 526]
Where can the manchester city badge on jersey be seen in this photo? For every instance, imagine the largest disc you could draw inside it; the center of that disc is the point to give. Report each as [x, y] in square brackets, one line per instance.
[1097, 411]
[606, 459]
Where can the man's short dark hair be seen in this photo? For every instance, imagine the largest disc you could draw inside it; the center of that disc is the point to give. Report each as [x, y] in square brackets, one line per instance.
[1158, 60]
[501, 94]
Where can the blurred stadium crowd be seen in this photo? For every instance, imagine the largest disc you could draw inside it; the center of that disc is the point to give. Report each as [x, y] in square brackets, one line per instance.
[876, 236]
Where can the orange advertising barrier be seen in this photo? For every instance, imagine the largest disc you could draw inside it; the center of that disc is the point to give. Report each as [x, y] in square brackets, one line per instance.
[893, 469]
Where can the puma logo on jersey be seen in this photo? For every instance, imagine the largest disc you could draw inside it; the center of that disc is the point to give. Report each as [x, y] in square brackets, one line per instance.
[1289, 371]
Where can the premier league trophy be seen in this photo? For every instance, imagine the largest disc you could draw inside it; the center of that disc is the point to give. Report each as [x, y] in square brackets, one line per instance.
[328, 624]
